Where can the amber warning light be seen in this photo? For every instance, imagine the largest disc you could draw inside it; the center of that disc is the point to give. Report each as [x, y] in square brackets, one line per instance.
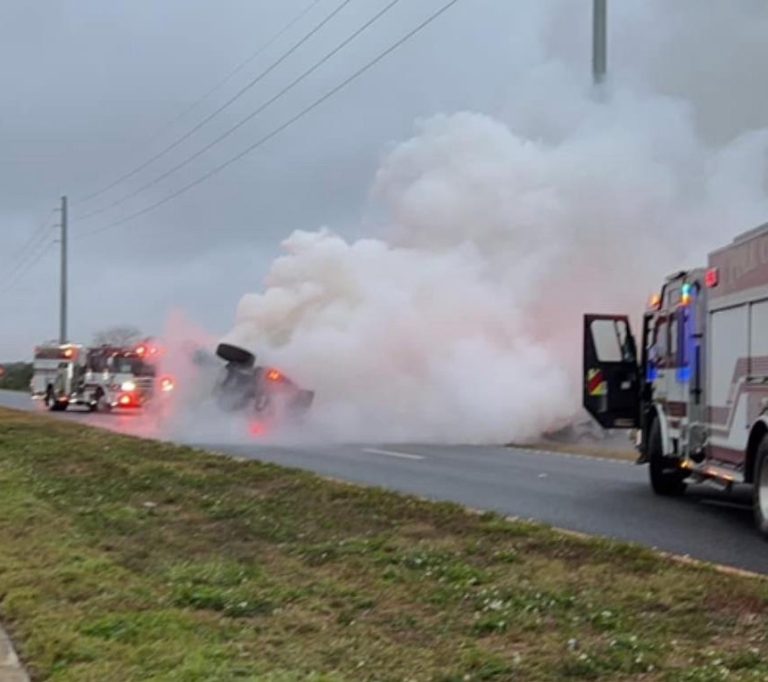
[712, 278]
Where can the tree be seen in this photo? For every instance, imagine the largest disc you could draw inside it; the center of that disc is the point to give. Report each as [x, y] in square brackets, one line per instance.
[15, 376]
[121, 336]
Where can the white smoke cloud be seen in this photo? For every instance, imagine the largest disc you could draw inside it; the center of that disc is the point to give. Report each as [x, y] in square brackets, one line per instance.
[462, 321]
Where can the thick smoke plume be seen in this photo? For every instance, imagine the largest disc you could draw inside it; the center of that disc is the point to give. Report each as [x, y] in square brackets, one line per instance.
[461, 320]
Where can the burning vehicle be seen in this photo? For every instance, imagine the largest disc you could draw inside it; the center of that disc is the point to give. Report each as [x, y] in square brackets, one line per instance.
[262, 391]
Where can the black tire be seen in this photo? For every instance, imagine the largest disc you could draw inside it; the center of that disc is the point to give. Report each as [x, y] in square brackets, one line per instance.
[760, 488]
[235, 354]
[98, 403]
[666, 477]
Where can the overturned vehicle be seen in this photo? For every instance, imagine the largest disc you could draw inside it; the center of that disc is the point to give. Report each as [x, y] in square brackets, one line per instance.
[264, 392]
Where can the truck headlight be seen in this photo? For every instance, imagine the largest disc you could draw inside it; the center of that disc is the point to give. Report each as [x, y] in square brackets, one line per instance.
[128, 386]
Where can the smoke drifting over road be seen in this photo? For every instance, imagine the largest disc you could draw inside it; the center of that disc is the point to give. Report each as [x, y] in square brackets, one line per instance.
[461, 320]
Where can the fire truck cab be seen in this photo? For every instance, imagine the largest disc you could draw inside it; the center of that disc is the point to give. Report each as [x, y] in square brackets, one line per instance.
[117, 377]
[695, 390]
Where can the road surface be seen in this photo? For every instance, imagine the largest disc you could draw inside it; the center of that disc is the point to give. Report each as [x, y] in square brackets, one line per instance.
[603, 497]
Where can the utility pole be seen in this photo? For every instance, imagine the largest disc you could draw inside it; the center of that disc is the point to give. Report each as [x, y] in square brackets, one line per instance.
[599, 41]
[63, 287]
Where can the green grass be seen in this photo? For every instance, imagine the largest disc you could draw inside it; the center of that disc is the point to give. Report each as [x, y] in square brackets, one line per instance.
[123, 559]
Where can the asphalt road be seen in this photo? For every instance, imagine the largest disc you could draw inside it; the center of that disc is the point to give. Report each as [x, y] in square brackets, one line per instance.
[603, 497]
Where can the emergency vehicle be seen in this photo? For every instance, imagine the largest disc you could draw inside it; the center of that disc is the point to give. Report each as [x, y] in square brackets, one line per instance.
[56, 370]
[99, 378]
[696, 389]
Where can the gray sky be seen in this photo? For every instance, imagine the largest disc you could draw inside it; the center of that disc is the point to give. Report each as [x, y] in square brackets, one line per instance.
[87, 89]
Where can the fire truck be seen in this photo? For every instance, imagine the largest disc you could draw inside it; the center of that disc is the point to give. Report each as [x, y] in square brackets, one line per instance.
[695, 391]
[100, 378]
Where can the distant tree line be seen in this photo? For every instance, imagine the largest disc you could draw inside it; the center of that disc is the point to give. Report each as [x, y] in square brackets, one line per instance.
[15, 376]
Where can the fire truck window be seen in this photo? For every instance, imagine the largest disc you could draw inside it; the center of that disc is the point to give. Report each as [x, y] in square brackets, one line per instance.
[611, 340]
[672, 344]
[660, 339]
[673, 296]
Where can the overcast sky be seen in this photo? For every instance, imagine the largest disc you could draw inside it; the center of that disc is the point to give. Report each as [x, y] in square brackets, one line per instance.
[90, 89]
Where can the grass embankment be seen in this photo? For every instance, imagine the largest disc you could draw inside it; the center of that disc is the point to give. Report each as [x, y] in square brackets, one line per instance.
[123, 559]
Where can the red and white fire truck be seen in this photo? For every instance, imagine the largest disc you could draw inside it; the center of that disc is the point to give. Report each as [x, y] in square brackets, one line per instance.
[696, 389]
[100, 378]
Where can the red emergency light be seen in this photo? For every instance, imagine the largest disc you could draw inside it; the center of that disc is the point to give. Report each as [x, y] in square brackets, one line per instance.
[712, 278]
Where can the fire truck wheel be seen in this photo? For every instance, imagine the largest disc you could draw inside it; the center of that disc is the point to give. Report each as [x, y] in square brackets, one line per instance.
[760, 489]
[100, 403]
[666, 477]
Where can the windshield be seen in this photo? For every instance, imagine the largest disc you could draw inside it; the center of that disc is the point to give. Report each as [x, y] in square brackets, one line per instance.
[135, 366]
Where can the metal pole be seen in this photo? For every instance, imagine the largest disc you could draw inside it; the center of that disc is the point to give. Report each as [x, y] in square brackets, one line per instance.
[63, 289]
[599, 41]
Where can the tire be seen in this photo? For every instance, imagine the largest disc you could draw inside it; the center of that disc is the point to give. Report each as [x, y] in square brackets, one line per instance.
[99, 403]
[235, 354]
[760, 488]
[666, 478]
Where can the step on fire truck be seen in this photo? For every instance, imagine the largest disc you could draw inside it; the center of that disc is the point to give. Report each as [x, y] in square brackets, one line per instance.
[99, 378]
[696, 390]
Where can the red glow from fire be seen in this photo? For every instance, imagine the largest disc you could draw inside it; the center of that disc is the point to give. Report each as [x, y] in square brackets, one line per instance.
[258, 429]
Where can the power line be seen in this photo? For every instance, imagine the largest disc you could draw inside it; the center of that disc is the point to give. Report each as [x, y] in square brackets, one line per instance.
[20, 254]
[12, 280]
[30, 248]
[287, 124]
[295, 20]
[318, 27]
[256, 112]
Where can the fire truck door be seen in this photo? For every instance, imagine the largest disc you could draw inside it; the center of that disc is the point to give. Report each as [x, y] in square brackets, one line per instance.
[611, 375]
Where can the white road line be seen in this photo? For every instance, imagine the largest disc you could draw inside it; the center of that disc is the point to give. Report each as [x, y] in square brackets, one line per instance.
[392, 453]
